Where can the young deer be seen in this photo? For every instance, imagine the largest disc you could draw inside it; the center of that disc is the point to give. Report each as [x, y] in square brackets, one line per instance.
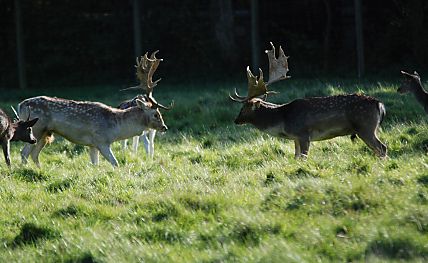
[17, 130]
[91, 123]
[412, 83]
[143, 70]
[309, 119]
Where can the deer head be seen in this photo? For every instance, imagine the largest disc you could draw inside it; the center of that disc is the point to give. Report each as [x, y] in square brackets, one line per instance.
[152, 116]
[146, 67]
[23, 131]
[257, 87]
[411, 82]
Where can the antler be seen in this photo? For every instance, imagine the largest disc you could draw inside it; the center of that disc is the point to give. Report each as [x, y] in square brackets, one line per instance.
[278, 68]
[14, 111]
[146, 67]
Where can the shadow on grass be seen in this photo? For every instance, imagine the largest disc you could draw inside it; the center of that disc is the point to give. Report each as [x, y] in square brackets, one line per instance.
[59, 186]
[30, 175]
[86, 257]
[70, 211]
[397, 248]
[31, 234]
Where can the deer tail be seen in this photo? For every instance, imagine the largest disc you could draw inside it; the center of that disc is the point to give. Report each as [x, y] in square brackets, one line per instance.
[382, 111]
[49, 138]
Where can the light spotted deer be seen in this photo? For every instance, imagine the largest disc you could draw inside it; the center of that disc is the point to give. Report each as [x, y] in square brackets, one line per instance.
[309, 119]
[91, 124]
[412, 83]
[146, 67]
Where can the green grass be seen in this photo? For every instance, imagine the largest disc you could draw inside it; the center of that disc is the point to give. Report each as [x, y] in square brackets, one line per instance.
[216, 192]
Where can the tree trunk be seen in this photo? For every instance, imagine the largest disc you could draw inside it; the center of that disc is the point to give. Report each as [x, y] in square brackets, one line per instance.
[222, 17]
[327, 34]
[255, 57]
[20, 47]
[359, 37]
[137, 27]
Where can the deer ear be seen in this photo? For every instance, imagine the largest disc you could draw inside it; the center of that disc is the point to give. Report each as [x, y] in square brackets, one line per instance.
[143, 105]
[32, 122]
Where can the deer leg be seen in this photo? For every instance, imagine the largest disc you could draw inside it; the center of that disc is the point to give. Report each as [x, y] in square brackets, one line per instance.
[304, 147]
[35, 151]
[374, 143]
[152, 135]
[296, 149]
[105, 151]
[94, 154]
[135, 142]
[28, 148]
[6, 151]
[124, 144]
[146, 142]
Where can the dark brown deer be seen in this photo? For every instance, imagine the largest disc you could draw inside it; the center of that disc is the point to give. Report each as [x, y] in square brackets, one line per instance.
[412, 83]
[92, 123]
[143, 70]
[309, 119]
[17, 130]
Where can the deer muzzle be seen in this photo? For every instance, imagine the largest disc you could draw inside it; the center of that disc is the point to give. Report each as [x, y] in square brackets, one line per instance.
[238, 121]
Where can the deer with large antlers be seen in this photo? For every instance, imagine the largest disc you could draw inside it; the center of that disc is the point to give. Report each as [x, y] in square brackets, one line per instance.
[145, 69]
[92, 124]
[309, 119]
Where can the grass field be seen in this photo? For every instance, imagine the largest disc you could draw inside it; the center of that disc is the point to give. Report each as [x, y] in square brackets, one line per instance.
[216, 192]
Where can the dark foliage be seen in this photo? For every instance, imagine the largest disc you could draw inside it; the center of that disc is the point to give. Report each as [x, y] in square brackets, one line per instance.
[91, 42]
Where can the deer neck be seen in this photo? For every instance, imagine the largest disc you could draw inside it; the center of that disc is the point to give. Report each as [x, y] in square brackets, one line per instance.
[267, 115]
[11, 130]
[131, 122]
[422, 96]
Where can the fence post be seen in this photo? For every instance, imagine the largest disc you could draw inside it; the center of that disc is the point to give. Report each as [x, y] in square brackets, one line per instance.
[255, 34]
[359, 37]
[137, 27]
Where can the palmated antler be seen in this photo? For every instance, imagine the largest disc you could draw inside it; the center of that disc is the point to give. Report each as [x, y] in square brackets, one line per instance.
[146, 67]
[278, 68]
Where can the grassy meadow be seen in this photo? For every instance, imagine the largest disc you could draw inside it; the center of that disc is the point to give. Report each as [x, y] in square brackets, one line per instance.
[217, 192]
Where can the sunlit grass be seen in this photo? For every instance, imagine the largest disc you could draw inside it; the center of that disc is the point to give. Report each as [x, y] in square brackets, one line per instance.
[218, 192]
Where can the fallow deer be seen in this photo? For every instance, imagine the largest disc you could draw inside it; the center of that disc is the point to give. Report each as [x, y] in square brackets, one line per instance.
[144, 69]
[308, 119]
[91, 124]
[17, 130]
[412, 83]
